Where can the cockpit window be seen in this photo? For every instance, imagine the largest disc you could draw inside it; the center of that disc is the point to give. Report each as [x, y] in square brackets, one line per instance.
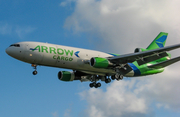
[15, 45]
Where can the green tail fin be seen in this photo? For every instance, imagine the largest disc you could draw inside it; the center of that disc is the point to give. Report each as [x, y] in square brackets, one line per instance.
[159, 41]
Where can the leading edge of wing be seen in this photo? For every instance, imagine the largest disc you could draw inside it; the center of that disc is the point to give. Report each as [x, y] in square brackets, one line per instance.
[165, 63]
[135, 56]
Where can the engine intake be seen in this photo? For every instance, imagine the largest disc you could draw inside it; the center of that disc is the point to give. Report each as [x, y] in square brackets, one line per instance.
[139, 50]
[66, 76]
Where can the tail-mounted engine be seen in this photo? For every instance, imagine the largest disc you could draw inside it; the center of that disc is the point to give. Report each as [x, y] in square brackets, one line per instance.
[139, 50]
[98, 62]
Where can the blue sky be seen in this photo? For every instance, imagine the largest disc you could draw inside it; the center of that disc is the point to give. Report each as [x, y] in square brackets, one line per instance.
[25, 95]
[97, 25]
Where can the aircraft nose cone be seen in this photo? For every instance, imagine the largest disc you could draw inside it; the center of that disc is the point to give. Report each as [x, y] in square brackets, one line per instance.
[8, 51]
[14, 52]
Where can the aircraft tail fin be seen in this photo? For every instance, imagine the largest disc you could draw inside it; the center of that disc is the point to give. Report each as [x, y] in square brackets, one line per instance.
[159, 41]
[165, 63]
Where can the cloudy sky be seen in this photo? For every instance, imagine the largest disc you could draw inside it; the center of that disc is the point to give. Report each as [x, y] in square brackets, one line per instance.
[115, 26]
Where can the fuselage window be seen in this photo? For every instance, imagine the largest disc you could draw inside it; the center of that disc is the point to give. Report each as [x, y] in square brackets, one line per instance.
[15, 45]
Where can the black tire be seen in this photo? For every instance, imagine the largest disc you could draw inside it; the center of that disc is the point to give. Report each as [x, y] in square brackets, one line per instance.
[113, 77]
[106, 80]
[34, 72]
[109, 80]
[98, 84]
[121, 77]
[116, 76]
[91, 85]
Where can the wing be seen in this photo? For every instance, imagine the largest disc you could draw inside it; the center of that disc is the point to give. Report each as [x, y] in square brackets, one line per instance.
[165, 63]
[143, 57]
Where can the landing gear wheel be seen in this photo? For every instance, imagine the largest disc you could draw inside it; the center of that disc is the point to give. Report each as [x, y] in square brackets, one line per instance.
[118, 77]
[35, 67]
[91, 85]
[113, 77]
[94, 84]
[121, 77]
[98, 84]
[108, 80]
[34, 72]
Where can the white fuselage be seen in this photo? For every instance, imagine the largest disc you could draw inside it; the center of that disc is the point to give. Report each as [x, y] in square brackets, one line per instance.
[58, 56]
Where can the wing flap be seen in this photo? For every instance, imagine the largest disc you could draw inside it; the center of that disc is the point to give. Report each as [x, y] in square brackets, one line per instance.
[129, 58]
[165, 63]
[151, 58]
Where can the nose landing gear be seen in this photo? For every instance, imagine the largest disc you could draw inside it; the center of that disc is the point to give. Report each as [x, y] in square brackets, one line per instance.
[35, 67]
[34, 72]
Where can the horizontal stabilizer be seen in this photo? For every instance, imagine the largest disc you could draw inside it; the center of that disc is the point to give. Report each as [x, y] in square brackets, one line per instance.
[165, 63]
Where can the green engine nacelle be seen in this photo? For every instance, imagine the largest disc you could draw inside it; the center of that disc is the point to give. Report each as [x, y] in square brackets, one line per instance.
[66, 76]
[98, 62]
[139, 50]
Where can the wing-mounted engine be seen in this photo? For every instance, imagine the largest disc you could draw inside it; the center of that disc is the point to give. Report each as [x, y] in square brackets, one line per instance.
[66, 76]
[139, 50]
[98, 62]
[71, 75]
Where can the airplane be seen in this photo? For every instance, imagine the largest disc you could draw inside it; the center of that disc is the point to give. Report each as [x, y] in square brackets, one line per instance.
[91, 65]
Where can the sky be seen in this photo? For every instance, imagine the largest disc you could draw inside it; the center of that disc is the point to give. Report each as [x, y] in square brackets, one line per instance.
[115, 26]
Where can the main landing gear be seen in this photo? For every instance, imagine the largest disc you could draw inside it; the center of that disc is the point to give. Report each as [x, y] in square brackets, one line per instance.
[35, 67]
[107, 80]
[94, 78]
[94, 84]
[117, 77]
